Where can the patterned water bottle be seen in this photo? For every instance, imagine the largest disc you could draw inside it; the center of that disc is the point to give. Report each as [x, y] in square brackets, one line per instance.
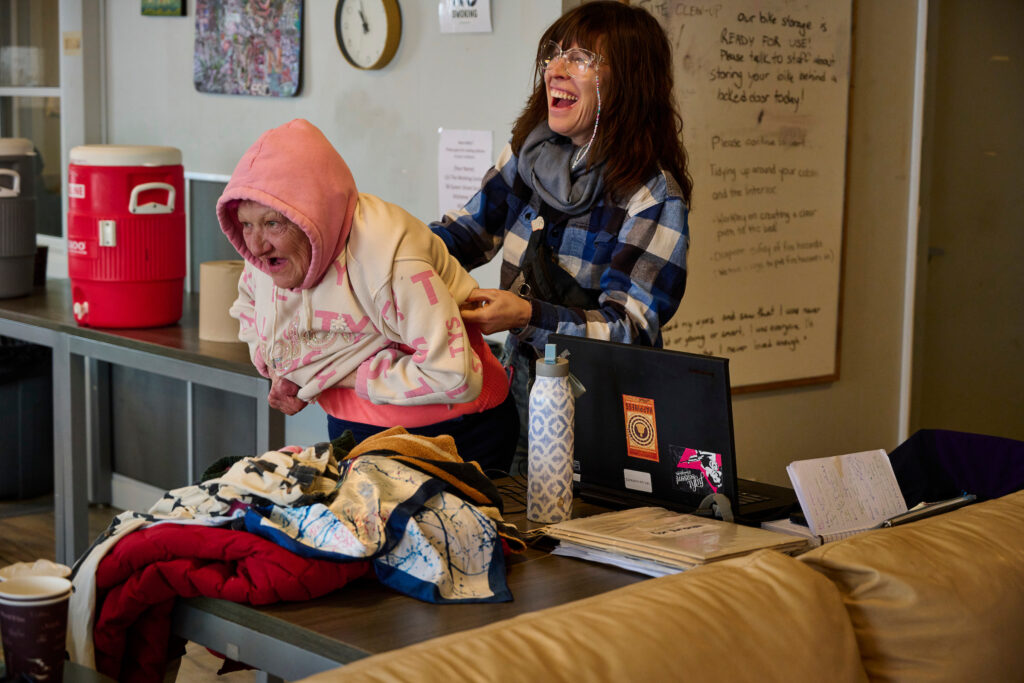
[552, 415]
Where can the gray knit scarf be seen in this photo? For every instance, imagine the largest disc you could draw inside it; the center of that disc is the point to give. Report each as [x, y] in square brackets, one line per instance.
[544, 165]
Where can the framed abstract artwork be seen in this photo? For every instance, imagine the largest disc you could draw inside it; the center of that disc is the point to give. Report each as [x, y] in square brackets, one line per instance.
[248, 47]
[163, 8]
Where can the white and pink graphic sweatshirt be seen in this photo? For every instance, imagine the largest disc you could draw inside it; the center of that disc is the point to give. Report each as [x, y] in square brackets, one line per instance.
[381, 297]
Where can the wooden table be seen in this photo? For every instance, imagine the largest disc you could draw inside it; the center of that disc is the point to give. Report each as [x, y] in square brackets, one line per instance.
[293, 640]
[44, 317]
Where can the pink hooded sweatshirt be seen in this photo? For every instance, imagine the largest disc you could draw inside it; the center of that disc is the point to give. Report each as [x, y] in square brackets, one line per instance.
[381, 297]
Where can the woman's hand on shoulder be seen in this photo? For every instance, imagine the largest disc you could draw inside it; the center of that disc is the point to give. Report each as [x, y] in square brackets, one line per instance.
[496, 310]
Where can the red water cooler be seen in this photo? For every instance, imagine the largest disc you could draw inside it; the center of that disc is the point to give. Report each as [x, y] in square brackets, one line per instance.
[126, 235]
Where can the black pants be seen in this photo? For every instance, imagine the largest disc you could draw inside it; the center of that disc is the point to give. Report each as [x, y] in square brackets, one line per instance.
[489, 437]
[520, 391]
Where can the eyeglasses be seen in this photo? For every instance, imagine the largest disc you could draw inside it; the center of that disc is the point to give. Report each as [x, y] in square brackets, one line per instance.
[577, 60]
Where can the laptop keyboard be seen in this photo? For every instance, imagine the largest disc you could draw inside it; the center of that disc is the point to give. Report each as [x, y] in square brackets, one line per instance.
[748, 498]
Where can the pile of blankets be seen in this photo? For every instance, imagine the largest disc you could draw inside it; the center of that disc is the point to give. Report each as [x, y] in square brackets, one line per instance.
[292, 524]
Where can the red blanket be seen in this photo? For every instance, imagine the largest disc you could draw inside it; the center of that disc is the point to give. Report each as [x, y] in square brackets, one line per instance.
[138, 580]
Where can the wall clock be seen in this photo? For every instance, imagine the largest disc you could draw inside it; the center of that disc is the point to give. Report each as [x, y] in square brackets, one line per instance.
[368, 31]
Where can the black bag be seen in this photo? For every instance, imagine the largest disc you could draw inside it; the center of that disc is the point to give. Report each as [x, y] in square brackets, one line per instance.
[542, 278]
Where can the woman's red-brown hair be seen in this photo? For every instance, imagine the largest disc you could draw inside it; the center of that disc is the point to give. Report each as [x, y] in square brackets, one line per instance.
[640, 127]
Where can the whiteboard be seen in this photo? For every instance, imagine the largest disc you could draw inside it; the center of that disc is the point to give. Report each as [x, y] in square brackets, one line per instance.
[763, 88]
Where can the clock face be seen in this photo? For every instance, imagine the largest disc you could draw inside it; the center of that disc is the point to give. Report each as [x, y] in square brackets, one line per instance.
[368, 31]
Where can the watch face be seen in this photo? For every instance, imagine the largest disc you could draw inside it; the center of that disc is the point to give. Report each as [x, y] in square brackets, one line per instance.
[367, 31]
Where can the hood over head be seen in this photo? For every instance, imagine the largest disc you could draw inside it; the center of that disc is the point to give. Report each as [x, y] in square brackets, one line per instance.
[294, 169]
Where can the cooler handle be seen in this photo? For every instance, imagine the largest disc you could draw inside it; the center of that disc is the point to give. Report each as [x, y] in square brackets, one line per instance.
[16, 189]
[151, 207]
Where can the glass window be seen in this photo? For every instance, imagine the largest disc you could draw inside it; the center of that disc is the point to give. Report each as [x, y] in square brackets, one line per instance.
[30, 96]
[29, 43]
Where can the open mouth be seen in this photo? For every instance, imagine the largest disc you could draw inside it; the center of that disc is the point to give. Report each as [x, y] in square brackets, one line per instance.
[275, 262]
[560, 99]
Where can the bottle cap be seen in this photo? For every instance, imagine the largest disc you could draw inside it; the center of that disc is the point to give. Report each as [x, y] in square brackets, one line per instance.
[551, 365]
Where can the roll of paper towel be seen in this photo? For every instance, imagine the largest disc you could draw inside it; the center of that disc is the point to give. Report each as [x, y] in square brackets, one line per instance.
[218, 289]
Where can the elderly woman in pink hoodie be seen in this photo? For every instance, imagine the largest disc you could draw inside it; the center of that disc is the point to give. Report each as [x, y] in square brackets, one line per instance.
[351, 302]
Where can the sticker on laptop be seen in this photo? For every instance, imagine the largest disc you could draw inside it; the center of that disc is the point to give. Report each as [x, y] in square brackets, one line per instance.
[641, 429]
[637, 481]
[696, 471]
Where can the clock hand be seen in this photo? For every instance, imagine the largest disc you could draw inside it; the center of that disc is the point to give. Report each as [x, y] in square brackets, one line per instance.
[366, 27]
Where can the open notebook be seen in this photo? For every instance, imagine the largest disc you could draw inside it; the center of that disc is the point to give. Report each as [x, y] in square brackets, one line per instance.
[845, 494]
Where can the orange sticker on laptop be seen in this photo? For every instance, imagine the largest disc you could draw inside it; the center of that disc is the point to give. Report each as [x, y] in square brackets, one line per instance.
[641, 429]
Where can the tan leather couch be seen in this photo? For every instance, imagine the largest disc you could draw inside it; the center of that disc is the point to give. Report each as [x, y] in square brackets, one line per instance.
[941, 599]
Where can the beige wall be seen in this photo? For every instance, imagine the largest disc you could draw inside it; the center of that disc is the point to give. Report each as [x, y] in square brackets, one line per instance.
[861, 410]
[386, 123]
[969, 365]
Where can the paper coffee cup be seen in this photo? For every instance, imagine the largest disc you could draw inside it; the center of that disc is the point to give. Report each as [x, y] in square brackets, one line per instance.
[33, 626]
[218, 289]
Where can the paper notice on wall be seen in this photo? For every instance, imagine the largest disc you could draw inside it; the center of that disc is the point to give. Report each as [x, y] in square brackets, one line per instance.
[463, 157]
[464, 16]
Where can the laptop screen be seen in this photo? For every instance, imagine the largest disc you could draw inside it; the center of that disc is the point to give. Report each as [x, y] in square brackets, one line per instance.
[654, 426]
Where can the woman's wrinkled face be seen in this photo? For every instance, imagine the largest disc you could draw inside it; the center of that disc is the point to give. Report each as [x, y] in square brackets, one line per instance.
[572, 101]
[281, 247]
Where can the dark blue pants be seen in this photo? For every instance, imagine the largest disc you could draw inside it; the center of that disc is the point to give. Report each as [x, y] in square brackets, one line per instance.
[488, 437]
[519, 388]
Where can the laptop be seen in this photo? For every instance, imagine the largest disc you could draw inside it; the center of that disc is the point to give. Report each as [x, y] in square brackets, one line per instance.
[654, 427]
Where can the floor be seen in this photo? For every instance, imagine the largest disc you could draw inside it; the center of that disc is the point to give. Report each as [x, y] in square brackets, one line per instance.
[26, 535]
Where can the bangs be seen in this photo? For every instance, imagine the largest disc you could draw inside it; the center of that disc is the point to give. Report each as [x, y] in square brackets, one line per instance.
[577, 30]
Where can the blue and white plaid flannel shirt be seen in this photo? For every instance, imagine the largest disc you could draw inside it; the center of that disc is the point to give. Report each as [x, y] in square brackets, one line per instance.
[632, 256]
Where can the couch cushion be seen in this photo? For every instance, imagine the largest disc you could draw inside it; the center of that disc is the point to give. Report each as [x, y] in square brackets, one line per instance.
[937, 599]
[761, 617]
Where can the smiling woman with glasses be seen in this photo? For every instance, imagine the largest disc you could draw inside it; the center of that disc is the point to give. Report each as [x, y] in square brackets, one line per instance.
[589, 201]
[575, 60]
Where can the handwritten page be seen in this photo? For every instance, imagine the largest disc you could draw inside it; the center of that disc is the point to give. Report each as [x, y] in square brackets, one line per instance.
[844, 494]
[763, 89]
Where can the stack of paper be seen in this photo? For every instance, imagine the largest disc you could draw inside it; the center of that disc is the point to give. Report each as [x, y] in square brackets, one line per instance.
[787, 526]
[656, 541]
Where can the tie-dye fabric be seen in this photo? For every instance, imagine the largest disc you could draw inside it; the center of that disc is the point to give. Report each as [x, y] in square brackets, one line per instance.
[425, 541]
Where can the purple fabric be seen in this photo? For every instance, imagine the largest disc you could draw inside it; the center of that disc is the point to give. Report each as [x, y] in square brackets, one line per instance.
[935, 464]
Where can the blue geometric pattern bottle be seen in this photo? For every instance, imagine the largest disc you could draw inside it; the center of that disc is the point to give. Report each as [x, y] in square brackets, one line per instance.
[549, 462]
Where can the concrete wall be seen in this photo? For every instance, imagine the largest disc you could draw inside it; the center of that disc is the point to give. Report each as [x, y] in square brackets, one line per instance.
[385, 124]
